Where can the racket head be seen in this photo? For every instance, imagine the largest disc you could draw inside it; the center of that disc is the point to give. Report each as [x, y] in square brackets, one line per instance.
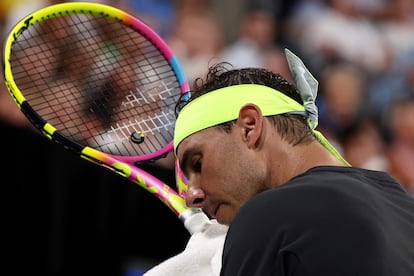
[101, 83]
[97, 76]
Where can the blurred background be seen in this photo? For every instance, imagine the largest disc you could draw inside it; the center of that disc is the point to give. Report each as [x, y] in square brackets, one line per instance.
[65, 216]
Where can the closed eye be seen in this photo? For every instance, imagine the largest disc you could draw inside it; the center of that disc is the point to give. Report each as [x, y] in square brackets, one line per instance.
[190, 162]
[196, 164]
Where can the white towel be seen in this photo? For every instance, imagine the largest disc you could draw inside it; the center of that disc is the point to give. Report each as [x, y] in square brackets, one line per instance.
[202, 254]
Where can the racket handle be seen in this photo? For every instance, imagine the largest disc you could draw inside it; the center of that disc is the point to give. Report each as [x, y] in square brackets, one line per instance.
[194, 220]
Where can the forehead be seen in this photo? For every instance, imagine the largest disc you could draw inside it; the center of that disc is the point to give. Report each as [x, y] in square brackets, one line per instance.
[193, 141]
[196, 141]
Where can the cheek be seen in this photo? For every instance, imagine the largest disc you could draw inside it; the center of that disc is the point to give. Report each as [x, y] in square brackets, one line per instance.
[237, 174]
[218, 167]
[215, 168]
[224, 170]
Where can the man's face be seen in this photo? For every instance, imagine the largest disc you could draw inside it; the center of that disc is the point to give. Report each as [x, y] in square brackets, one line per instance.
[222, 171]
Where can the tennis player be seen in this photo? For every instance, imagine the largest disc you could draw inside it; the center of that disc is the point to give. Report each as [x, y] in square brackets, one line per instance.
[248, 145]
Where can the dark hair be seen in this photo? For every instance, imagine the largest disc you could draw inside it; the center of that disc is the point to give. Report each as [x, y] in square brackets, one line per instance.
[293, 128]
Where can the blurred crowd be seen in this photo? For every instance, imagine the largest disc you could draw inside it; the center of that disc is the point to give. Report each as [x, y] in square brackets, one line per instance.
[361, 52]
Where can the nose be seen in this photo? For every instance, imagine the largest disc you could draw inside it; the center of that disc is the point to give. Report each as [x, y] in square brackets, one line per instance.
[195, 197]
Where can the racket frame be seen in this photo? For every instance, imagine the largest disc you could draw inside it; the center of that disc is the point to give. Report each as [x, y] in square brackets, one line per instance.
[126, 166]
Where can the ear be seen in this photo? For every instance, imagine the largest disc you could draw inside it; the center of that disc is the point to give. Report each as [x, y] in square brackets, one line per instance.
[250, 120]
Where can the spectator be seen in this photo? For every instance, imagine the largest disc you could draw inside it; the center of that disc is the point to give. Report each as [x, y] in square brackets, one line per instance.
[339, 31]
[196, 40]
[342, 97]
[257, 33]
[401, 148]
[364, 146]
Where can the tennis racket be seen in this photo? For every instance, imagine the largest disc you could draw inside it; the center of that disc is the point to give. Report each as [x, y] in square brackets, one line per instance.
[102, 84]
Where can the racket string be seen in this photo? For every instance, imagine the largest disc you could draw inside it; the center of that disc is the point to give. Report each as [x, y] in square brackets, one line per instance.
[98, 82]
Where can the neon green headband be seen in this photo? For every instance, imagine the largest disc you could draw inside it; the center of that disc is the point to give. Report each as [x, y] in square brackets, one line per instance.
[223, 105]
